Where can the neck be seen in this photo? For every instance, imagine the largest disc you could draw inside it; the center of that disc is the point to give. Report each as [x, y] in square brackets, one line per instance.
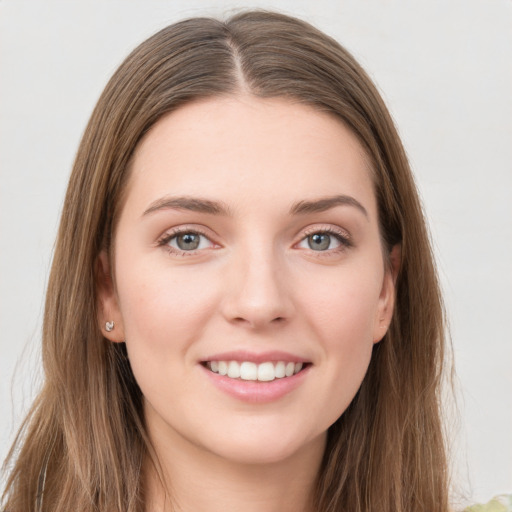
[192, 479]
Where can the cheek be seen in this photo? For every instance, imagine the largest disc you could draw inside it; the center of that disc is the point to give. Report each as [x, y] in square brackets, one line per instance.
[163, 309]
[344, 305]
[346, 326]
[343, 315]
[164, 313]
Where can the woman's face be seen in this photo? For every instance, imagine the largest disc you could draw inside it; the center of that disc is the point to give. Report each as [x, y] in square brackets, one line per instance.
[248, 244]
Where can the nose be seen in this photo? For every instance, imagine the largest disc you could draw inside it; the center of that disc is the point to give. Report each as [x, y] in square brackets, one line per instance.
[257, 291]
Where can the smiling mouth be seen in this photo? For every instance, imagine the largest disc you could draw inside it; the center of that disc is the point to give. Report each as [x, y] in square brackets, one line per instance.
[247, 370]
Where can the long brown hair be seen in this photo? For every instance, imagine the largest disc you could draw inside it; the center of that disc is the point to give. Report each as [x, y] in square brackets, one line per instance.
[84, 440]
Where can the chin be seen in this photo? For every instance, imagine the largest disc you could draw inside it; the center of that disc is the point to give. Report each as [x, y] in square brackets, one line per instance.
[265, 447]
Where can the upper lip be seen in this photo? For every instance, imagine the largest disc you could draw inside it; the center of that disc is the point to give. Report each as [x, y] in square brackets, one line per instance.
[256, 357]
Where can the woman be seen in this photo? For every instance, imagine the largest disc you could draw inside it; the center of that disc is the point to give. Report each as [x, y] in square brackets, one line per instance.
[243, 309]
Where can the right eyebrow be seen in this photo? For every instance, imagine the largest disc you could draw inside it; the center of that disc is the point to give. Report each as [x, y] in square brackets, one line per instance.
[326, 203]
[195, 204]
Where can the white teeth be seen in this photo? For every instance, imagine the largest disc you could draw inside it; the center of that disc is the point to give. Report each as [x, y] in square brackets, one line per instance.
[266, 372]
[246, 370]
[233, 370]
[223, 368]
[280, 370]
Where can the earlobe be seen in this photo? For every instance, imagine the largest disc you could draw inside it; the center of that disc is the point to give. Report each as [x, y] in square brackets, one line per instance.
[387, 295]
[109, 315]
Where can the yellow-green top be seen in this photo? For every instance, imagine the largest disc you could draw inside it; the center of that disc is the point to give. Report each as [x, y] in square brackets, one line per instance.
[499, 504]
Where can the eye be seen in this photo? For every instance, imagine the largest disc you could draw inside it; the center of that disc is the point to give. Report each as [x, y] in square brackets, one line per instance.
[186, 241]
[321, 241]
[324, 240]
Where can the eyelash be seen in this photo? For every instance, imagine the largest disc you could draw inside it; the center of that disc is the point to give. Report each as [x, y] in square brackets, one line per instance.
[341, 237]
[167, 237]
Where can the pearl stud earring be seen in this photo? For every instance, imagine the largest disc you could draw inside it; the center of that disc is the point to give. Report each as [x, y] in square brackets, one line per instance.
[109, 326]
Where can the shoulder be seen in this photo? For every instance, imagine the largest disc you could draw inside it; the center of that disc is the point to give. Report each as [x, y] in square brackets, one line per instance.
[501, 503]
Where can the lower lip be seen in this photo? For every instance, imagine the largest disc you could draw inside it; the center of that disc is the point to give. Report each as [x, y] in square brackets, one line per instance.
[256, 391]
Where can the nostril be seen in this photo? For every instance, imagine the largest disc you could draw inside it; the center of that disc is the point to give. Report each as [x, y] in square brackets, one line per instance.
[241, 320]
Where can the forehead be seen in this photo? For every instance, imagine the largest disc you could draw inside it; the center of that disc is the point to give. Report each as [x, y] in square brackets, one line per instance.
[242, 146]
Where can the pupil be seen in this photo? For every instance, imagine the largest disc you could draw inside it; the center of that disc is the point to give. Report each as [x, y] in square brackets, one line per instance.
[319, 242]
[188, 241]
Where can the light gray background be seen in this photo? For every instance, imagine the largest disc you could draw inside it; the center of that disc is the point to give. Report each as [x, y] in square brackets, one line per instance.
[444, 68]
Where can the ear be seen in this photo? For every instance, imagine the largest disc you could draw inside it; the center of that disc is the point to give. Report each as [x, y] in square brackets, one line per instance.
[387, 295]
[108, 306]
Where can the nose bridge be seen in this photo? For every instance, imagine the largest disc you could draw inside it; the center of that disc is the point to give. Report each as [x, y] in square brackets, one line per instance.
[256, 290]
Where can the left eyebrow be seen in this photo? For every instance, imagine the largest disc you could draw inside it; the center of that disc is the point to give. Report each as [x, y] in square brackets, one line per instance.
[326, 203]
[195, 204]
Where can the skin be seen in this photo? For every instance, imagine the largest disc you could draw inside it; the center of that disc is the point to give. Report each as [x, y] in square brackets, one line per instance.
[254, 284]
